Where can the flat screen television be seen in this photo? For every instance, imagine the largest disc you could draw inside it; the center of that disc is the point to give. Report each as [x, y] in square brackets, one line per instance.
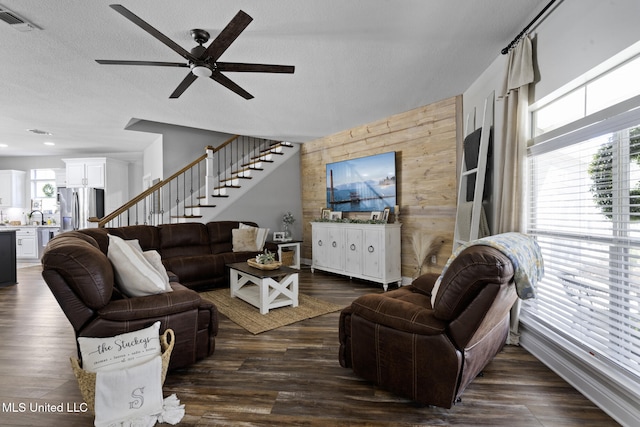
[364, 184]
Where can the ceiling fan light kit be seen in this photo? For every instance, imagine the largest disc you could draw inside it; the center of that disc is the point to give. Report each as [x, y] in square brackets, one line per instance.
[202, 61]
[201, 70]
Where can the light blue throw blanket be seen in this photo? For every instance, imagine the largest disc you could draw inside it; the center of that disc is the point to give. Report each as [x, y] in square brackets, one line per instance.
[524, 253]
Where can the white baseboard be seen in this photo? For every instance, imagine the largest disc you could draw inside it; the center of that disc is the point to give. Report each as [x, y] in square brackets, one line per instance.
[616, 395]
[405, 280]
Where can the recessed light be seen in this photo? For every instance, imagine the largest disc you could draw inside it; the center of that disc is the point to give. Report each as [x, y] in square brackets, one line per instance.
[3, 145]
[49, 143]
[39, 132]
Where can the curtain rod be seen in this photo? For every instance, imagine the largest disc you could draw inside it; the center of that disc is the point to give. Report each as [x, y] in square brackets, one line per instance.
[515, 40]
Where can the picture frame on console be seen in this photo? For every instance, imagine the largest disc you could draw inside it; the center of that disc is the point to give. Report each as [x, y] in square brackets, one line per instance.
[375, 215]
[385, 214]
[278, 236]
[336, 215]
[325, 213]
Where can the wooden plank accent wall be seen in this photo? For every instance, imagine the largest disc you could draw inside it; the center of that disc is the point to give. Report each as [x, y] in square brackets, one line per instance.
[425, 141]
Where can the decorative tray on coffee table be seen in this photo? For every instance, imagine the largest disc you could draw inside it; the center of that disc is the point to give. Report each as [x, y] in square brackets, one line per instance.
[271, 266]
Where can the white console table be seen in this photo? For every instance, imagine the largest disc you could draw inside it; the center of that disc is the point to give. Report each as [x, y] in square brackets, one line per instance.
[364, 251]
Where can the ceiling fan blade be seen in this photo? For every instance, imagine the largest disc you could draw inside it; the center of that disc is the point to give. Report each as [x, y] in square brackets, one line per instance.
[154, 63]
[227, 36]
[254, 68]
[155, 33]
[229, 84]
[183, 85]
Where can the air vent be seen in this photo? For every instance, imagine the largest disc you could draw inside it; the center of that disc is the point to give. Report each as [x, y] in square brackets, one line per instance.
[39, 132]
[15, 20]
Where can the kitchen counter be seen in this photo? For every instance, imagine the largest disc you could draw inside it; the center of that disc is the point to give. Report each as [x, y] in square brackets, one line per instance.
[15, 227]
[31, 239]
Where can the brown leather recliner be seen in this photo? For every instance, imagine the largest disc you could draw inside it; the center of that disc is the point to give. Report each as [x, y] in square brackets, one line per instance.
[398, 341]
[81, 278]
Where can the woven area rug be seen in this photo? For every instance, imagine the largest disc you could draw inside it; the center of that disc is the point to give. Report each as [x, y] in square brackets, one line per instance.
[249, 317]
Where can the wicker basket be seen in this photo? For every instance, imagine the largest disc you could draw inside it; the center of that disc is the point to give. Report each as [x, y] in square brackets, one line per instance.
[87, 380]
[287, 257]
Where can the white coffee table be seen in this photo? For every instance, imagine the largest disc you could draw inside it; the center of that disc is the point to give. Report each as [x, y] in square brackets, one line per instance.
[264, 289]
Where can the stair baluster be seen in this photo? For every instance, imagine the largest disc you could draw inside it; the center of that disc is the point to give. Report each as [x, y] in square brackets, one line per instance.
[209, 176]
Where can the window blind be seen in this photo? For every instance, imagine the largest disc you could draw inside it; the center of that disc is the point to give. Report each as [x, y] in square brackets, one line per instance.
[584, 210]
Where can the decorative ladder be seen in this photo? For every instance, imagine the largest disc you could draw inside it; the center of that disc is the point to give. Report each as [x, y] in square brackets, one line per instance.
[183, 195]
[479, 172]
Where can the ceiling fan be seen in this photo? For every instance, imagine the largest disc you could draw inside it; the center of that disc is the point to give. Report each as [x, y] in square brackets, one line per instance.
[202, 61]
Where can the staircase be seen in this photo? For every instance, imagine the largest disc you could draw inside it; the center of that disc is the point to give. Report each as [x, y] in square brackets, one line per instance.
[206, 186]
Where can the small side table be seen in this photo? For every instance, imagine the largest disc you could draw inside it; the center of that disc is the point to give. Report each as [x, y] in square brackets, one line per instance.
[293, 245]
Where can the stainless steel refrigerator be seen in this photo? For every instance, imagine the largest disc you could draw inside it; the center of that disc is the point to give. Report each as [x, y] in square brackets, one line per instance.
[77, 205]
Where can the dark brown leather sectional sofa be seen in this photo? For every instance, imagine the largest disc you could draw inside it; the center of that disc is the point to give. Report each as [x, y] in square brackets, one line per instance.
[197, 253]
[81, 277]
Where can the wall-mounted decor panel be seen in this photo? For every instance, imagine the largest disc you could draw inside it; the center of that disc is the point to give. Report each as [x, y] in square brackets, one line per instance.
[425, 141]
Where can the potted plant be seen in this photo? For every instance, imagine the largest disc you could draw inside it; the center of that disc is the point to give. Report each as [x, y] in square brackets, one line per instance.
[266, 257]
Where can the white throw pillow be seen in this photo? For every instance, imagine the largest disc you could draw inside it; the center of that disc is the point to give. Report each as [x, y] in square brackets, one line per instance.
[135, 244]
[154, 258]
[261, 235]
[122, 351]
[244, 239]
[133, 273]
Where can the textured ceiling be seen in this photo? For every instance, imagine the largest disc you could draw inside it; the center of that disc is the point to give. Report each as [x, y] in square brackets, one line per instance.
[356, 61]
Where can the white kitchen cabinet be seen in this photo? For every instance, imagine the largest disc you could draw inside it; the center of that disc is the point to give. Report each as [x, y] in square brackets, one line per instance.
[86, 172]
[26, 243]
[12, 186]
[364, 251]
[100, 172]
[61, 177]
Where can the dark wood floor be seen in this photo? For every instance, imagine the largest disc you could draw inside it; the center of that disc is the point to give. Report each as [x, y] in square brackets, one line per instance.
[286, 377]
